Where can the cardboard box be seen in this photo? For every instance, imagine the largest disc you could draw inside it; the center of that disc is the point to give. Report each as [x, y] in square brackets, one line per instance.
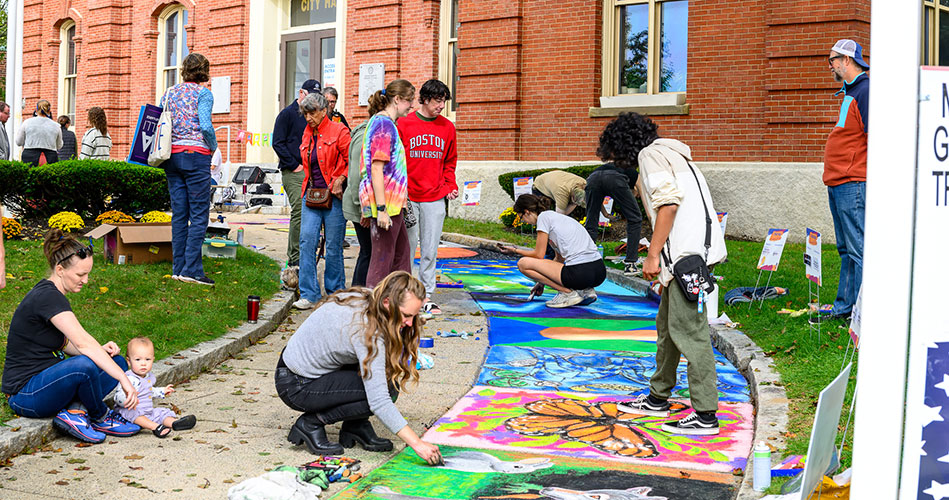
[135, 243]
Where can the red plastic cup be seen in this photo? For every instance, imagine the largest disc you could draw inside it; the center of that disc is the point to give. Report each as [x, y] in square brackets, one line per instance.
[253, 308]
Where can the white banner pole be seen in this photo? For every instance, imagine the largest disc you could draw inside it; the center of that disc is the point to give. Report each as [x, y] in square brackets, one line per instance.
[888, 247]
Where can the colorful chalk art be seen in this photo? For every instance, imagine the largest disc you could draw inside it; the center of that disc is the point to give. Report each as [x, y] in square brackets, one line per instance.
[543, 422]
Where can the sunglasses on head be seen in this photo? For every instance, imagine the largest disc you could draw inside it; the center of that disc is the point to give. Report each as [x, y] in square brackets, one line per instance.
[82, 253]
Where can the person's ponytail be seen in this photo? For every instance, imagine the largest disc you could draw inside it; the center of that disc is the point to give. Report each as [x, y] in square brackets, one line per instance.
[377, 102]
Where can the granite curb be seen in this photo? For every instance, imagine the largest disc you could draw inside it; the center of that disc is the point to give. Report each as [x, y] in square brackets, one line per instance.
[767, 391]
[22, 433]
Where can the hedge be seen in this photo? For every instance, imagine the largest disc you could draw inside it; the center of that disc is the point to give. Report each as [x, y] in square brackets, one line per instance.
[87, 187]
[507, 180]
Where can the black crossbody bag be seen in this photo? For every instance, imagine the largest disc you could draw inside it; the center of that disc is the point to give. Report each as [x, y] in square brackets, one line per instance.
[691, 271]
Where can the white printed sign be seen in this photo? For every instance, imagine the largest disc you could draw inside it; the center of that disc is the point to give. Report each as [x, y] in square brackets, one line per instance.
[773, 247]
[608, 205]
[472, 194]
[812, 265]
[221, 90]
[372, 77]
[855, 318]
[329, 72]
[523, 185]
[723, 220]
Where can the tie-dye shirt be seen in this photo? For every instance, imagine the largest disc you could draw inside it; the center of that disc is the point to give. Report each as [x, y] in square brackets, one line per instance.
[382, 143]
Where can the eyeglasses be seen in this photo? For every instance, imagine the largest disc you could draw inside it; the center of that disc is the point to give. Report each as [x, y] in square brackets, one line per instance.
[830, 60]
[82, 253]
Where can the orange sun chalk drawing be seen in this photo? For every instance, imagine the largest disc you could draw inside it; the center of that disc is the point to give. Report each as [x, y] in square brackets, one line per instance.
[576, 333]
[450, 253]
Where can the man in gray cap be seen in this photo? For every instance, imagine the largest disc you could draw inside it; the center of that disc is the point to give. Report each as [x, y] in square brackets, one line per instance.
[287, 135]
[845, 172]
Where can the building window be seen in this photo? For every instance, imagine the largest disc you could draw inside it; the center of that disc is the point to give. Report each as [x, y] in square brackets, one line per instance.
[645, 46]
[448, 62]
[67, 71]
[935, 33]
[309, 12]
[172, 46]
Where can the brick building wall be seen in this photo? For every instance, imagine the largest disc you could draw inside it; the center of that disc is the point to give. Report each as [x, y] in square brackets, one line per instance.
[116, 45]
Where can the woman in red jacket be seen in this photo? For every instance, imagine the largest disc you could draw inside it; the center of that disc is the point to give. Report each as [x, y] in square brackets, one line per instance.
[325, 153]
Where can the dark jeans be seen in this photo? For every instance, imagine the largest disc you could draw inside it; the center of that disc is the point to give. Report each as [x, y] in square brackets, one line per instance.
[32, 156]
[189, 185]
[390, 250]
[603, 183]
[52, 389]
[365, 254]
[335, 397]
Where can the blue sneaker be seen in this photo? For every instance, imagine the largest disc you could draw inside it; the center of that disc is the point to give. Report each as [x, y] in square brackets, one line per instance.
[115, 424]
[75, 423]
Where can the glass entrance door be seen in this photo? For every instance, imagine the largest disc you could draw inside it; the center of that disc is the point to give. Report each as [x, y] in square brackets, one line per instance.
[305, 56]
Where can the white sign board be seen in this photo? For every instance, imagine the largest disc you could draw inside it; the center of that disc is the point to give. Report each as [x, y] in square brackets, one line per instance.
[608, 206]
[772, 249]
[723, 220]
[812, 265]
[856, 318]
[925, 472]
[523, 185]
[472, 194]
[820, 450]
[372, 77]
[329, 72]
[221, 90]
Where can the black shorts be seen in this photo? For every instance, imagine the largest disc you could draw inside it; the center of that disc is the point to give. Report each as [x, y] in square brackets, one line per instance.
[583, 276]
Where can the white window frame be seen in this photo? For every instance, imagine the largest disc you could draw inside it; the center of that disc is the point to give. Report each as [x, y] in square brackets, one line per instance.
[67, 99]
[652, 101]
[181, 40]
[447, 71]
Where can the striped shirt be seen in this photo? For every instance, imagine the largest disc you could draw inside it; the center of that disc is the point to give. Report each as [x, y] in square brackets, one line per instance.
[95, 145]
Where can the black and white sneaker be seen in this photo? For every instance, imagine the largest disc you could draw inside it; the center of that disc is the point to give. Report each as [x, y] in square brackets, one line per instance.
[631, 269]
[643, 406]
[204, 280]
[692, 425]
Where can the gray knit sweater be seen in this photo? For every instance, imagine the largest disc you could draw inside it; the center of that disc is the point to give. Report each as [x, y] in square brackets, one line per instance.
[332, 337]
[40, 132]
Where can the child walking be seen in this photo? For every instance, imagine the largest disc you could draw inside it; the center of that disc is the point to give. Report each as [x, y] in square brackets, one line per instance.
[161, 421]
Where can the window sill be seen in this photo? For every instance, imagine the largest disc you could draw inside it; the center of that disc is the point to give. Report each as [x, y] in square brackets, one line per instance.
[672, 109]
[644, 104]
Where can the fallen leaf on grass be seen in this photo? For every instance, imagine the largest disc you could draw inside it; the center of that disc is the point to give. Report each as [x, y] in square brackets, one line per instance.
[200, 441]
[228, 481]
[133, 457]
[81, 468]
[75, 461]
[62, 483]
[54, 471]
[103, 289]
[136, 468]
[119, 303]
[15, 429]
[83, 445]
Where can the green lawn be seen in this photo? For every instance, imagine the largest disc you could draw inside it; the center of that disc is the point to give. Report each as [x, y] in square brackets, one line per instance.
[121, 302]
[807, 362]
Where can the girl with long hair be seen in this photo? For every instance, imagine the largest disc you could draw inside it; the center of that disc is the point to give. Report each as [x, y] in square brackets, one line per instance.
[96, 142]
[348, 361]
[40, 136]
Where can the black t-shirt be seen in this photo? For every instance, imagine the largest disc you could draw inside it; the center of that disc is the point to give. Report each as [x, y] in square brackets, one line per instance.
[33, 343]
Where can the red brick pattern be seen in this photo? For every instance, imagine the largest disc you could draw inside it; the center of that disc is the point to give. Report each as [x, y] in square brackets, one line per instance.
[116, 42]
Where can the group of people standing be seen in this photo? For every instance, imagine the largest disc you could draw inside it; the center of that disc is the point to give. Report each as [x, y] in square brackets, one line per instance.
[391, 176]
[45, 140]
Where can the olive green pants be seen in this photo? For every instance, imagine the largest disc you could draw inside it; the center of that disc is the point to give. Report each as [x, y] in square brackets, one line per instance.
[682, 330]
[293, 186]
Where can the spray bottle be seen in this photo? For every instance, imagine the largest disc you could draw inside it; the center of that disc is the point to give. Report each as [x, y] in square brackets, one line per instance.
[762, 466]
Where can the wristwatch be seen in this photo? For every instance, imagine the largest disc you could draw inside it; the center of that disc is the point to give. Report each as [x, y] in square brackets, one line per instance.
[380, 208]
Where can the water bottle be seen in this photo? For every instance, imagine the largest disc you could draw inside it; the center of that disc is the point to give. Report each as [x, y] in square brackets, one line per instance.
[762, 465]
[599, 248]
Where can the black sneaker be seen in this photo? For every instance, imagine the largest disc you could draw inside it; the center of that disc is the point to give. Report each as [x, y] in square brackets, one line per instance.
[692, 425]
[826, 317]
[643, 406]
[204, 280]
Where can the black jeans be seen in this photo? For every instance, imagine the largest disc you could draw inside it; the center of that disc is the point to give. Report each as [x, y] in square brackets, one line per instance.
[365, 253]
[334, 397]
[32, 156]
[615, 184]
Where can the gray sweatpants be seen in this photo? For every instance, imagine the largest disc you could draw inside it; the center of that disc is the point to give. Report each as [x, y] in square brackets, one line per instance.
[426, 234]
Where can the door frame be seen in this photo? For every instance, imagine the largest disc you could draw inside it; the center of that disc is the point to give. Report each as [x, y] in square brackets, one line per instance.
[316, 57]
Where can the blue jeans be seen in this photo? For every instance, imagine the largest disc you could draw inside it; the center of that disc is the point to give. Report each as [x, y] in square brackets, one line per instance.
[189, 184]
[847, 203]
[334, 225]
[52, 389]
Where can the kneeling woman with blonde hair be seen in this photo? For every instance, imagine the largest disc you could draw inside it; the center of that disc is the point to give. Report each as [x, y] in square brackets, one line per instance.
[348, 361]
[577, 267]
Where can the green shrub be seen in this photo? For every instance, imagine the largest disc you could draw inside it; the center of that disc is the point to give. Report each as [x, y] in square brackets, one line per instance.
[507, 180]
[87, 187]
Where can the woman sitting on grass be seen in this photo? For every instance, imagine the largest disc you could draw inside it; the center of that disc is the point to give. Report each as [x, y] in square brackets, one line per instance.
[53, 365]
[577, 266]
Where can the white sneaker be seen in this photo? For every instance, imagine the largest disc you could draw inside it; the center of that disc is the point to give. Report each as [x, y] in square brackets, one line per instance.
[304, 304]
[588, 295]
[565, 300]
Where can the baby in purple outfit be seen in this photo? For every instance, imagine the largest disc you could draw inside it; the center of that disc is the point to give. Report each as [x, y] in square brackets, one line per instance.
[141, 354]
